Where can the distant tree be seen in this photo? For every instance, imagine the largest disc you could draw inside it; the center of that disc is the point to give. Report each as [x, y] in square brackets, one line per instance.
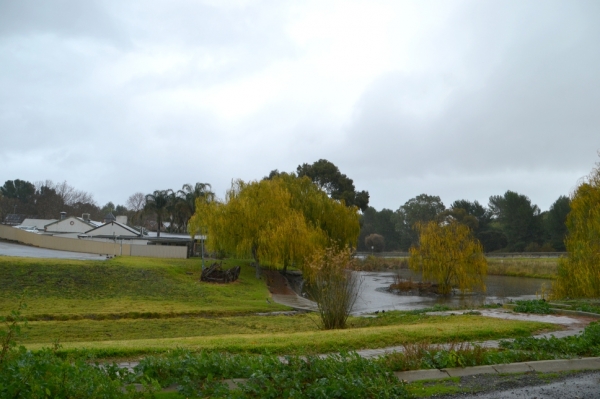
[555, 223]
[120, 210]
[375, 242]
[474, 209]
[518, 219]
[48, 204]
[459, 215]
[420, 209]
[579, 273]
[158, 203]
[69, 194]
[52, 198]
[490, 236]
[135, 205]
[337, 185]
[449, 255]
[185, 203]
[136, 202]
[108, 208]
[274, 173]
[19, 189]
[379, 222]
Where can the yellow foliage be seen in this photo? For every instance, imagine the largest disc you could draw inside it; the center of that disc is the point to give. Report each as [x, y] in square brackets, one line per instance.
[278, 222]
[579, 273]
[449, 255]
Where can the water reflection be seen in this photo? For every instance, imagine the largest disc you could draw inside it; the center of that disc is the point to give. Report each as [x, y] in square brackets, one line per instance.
[500, 289]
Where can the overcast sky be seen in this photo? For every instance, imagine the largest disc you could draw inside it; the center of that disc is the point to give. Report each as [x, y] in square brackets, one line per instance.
[461, 99]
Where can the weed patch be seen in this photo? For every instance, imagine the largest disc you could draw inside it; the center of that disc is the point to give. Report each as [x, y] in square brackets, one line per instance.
[585, 344]
[539, 306]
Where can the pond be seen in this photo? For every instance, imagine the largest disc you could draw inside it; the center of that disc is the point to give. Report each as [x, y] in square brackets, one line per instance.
[500, 289]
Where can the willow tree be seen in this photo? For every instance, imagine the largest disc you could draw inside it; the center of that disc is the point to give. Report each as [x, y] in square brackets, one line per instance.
[579, 273]
[277, 222]
[449, 255]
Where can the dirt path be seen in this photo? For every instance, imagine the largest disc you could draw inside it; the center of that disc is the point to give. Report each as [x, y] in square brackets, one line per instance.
[282, 293]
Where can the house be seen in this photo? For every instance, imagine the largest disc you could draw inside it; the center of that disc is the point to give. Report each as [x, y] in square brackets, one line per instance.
[71, 224]
[113, 230]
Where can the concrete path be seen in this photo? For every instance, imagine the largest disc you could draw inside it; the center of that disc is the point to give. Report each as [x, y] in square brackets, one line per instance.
[295, 301]
[542, 366]
[573, 326]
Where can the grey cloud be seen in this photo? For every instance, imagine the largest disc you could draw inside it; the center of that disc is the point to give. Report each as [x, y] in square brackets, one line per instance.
[66, 18]
[535, 110]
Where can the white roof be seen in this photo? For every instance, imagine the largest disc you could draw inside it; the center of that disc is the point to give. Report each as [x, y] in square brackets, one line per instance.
[113, 229]
[39, 223]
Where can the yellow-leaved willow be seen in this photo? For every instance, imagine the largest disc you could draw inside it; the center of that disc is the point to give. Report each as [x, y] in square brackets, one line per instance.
[579, 272]
[450, 256]
[278, 222]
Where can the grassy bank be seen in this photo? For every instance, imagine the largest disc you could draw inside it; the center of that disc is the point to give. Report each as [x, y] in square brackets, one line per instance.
[523, 267]
[126, 287]
[133, 306]
[430, 329]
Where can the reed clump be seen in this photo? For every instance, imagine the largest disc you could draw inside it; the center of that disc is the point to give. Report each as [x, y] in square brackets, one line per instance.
[374, 263]
[523, 267]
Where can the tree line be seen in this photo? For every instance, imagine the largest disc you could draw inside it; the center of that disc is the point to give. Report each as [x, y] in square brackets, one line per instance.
[509, 223]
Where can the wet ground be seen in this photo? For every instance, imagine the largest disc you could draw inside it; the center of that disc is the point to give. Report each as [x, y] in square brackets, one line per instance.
[26, 251]
[580, 385]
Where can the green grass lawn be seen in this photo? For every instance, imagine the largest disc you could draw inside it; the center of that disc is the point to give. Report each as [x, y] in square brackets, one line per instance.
[291, 340]
[126, 307]
[133, 329]
[126, 287]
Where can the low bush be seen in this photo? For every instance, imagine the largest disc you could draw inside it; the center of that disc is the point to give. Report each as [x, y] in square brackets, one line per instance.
[332, 286]
[25, 374]
[425, 356]
[336, 376]
[538, 306]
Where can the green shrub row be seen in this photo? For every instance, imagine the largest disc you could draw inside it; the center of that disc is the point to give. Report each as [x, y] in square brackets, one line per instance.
[584, 344]
[337, 376]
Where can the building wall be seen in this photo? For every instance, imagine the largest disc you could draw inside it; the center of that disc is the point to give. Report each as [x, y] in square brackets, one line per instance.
[89, 246]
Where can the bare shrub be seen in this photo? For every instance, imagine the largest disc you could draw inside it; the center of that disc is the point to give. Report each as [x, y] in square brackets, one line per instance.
[332, 285]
